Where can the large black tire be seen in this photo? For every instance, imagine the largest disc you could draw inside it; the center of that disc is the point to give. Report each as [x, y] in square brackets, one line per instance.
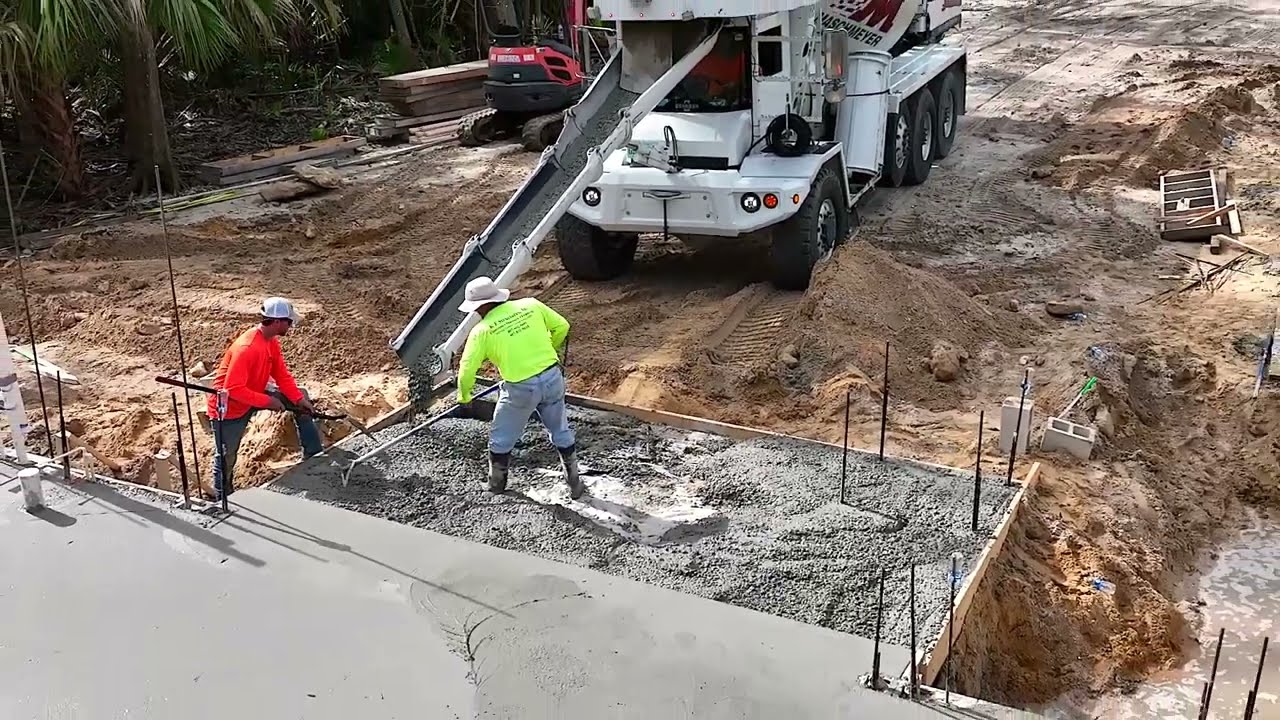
[589, 253]
[948, 116]
[923, 145]
[812, 234]
[897, 147]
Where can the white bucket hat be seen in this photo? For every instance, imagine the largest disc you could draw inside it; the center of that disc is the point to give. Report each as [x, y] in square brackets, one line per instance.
[277, 308]
[482, 291]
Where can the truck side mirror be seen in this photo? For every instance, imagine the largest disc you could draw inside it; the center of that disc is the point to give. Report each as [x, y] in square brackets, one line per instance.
[835, 54]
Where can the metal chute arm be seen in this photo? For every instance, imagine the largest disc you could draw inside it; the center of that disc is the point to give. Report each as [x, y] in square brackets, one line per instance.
[505, 249]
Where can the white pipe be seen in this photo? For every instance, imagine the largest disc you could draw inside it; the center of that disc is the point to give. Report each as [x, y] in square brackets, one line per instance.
[11, 399]
[523, 250]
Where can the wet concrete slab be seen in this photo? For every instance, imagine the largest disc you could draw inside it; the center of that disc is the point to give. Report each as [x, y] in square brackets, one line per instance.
[116, 606]
[755, 523]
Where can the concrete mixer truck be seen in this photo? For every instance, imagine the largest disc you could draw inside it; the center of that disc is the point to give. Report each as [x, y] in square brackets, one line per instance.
[720, 120]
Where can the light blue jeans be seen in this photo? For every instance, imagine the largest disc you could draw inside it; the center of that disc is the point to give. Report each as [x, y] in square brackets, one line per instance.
[518, 401]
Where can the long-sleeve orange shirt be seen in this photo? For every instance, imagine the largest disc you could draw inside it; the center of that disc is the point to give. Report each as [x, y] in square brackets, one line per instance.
[246, 366]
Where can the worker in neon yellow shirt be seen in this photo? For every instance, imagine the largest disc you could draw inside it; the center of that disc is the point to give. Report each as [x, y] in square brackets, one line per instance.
[523, 339]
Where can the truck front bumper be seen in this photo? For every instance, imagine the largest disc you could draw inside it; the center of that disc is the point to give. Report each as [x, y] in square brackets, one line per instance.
[695, 202]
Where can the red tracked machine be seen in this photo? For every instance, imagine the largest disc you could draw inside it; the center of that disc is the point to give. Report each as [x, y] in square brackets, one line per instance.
[535, 71]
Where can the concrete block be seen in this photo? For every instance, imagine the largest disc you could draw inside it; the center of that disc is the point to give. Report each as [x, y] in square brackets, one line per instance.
[1065, 435]
[1008, 418]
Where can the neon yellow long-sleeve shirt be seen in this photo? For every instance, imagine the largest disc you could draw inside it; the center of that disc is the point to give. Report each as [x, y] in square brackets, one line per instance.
[521, 338]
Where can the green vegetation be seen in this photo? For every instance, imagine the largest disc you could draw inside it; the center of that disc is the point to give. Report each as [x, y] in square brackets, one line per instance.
[110, 87]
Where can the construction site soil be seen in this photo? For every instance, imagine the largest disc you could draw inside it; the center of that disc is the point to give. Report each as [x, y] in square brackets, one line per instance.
[757, 524]
[1073, 109]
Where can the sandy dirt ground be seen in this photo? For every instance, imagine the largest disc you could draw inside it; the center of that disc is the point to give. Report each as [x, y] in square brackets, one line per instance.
[1074, 110]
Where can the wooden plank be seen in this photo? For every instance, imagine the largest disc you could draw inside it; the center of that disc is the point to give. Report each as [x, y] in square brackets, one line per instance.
[1181, 176]
[936, 657]
[281, 170]
[1211, 215]
[446, 73]
[400, 121]
[291, 154]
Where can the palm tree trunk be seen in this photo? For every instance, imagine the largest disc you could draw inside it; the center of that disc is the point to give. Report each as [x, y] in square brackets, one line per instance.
[48, 118]
[401, 25]
[146, 135]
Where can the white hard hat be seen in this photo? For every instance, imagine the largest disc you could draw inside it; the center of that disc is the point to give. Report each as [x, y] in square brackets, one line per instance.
[277, 308]
[482, 291]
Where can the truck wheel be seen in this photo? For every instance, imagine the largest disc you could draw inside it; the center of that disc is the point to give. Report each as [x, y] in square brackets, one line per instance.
[948, 114]
[811, 235]
[897, 147]
[923, 138]
[589, 253]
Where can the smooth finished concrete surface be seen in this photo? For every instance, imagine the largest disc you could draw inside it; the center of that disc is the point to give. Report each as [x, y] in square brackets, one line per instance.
[116, 607]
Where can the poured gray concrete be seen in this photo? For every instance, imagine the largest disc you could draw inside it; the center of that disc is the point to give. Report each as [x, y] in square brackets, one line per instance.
[756, 524]
[115, 607]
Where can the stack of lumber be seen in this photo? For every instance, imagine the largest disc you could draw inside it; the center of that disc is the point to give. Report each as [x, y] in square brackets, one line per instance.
[277, 161]
[429, 96]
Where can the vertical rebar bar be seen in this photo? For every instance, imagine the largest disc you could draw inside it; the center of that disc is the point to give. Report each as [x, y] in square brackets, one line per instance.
[977, 472]
[62, 431]
[951, 625]
[1017, 426]
[1213, 674]
[220, 452]
[844, 461]
[875, 658]
[177, 320]
[1257, 680]
[26, 300]
[915, 678]
[182, 458]
[884, 400]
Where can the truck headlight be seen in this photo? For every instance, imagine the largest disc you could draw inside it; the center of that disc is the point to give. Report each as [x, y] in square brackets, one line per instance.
[591, 196]
[750, 202]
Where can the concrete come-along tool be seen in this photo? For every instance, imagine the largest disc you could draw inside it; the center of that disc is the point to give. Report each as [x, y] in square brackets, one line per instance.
[289, 407]
[346, 472]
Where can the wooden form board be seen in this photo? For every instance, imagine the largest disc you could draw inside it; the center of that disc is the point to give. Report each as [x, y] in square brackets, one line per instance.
[475, 70]
[246, 165]
[936, 657]
[1195, 205]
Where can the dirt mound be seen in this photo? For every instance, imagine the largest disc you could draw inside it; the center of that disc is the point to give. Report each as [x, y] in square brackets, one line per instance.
[864, 298]
[1123, 140]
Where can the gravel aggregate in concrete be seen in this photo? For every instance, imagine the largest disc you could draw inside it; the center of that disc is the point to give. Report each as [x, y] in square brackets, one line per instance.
[765, 529]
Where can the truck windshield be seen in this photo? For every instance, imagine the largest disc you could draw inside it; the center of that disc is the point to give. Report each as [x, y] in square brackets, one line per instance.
[720, 82]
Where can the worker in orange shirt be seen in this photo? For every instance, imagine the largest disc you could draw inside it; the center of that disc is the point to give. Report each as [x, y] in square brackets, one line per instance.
[249, 366]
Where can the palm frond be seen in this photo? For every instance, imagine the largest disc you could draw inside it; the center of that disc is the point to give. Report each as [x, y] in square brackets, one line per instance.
[200, 30]
[15, 55]
[64, 30]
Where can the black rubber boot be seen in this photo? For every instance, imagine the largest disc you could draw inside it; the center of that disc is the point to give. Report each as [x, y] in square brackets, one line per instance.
[569, 459]
[499, 464]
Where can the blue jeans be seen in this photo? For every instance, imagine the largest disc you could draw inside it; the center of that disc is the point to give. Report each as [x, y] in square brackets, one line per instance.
[232, 432]
[517, 401]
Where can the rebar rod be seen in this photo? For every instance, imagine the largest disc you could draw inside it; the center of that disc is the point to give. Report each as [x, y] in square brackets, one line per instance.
[951, 625]
[844, 460]
[26, 301]
[1017, 426]
[884, 401]
[915, 678]
[177, 322]
[182, 459]
[62, 430]
[1257, 680]
[1213, 674]
[875, 657]
[977, 472]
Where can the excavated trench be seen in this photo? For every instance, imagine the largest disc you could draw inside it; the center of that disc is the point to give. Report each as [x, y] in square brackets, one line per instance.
[753, 523]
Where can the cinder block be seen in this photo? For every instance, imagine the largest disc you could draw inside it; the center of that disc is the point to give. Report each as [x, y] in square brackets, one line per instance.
[1065, 435]
[1008, 418]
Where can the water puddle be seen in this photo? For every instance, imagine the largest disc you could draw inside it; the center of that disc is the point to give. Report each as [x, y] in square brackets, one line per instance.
[1241, 594]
